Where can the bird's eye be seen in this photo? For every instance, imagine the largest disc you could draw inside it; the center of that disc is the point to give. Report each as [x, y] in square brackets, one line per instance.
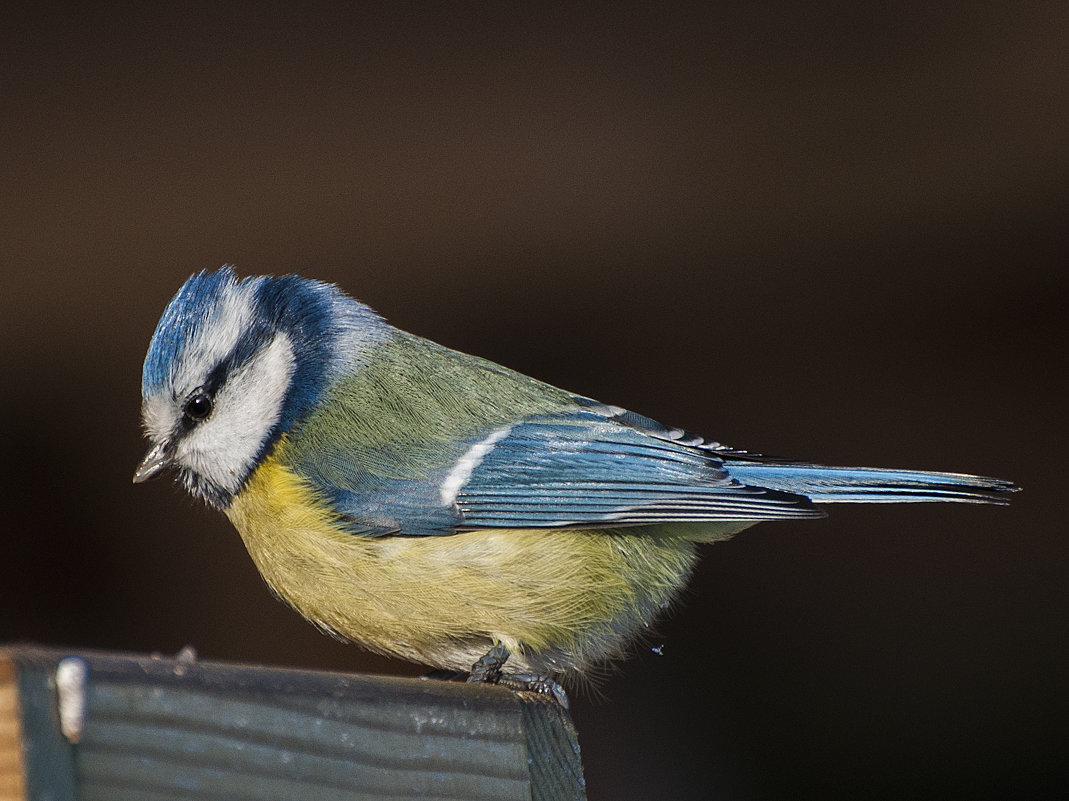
[198, 406]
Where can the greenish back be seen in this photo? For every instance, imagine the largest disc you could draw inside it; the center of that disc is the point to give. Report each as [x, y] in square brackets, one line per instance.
[416, 407]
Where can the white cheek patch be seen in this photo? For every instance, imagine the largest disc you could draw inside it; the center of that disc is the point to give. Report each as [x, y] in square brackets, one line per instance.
[247, 406]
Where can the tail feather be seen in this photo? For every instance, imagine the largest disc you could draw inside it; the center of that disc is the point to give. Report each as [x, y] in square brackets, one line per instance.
[823, 484]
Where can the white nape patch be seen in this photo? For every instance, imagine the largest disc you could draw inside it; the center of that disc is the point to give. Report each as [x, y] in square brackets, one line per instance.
[247, 406]
[467, 463]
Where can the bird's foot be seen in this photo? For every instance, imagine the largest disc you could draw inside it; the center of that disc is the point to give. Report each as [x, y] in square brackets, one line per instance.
[488, 670]
[529, 682]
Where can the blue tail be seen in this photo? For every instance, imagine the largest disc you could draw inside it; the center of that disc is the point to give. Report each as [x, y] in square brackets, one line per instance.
[870, 484]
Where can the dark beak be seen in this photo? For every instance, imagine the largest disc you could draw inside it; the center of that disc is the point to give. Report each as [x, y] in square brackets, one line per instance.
[155, 461]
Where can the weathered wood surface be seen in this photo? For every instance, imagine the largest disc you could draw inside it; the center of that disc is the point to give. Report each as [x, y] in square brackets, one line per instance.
[164, 728]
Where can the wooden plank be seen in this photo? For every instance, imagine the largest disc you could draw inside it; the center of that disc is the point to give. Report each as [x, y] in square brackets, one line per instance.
[165, 728]
[12, 769]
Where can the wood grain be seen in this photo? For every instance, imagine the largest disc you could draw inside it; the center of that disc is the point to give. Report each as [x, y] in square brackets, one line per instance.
[160, 728]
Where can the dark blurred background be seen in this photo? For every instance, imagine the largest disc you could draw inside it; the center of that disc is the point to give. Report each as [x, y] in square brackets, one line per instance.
[831, 231]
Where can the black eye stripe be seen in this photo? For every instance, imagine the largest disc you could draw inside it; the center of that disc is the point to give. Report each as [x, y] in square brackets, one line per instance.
[248, 345]
[200, 403]
[217, 376]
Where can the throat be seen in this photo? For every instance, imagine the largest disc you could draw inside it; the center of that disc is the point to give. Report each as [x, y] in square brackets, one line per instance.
[200, 487]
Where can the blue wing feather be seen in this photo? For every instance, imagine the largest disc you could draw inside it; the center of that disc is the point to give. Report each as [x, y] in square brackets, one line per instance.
[590, 469]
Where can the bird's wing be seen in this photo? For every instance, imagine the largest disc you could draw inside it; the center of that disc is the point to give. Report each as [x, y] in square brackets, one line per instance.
[577, 468]
[590, 469]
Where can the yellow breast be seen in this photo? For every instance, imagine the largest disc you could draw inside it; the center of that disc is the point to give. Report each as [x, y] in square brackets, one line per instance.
[559, 599]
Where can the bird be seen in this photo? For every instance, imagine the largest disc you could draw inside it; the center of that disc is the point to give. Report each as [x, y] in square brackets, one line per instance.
[436, 507]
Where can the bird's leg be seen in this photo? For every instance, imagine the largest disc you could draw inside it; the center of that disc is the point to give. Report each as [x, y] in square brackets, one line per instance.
[488, 669]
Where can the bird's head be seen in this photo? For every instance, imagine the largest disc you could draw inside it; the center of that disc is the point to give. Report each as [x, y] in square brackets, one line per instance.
[234, 364]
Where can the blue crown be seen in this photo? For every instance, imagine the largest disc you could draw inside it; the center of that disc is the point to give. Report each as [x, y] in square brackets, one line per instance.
[181, 320]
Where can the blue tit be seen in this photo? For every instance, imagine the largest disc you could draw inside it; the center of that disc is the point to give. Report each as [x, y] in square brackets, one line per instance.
[437, 507]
